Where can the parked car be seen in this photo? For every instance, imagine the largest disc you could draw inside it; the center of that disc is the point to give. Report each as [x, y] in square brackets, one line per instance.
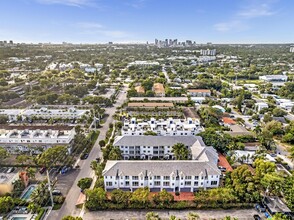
[259, 207]
[65, 169]
[42, 170]
[84, 156]
[10, 170]
[256, 217]
[56, 192]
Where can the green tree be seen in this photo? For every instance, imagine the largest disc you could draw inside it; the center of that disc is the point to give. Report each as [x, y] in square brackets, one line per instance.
[3, 154]
[53, 156]
[280, 216]
[18, 187]
[22, 158]
[163, 198]
[31, 172]
[72, 218]
[102, 143]
[152, 216]
[96, 198]
[119, 196]
[6, 204]
[115, 154]
[277, 112]
[140, 196]
[180, 151]
[3, 119]
[85, 183]
[40, 196]
[275, 127]
[192, 216]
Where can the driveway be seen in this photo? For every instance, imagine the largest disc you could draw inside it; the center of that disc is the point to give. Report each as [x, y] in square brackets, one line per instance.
[244, 214]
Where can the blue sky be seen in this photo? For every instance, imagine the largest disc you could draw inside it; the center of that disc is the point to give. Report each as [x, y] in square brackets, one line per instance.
[99, 21]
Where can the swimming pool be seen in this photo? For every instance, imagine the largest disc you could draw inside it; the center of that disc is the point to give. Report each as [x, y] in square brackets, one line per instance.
[28, 192]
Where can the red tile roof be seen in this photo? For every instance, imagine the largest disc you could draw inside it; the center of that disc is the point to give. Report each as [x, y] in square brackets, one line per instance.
[223, 162]
[228, 120]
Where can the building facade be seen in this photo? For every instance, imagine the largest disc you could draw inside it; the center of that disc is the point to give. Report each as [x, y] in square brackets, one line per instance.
[43, 113]
[173, 176]
[199, 92]
[169, 127]
[17, 141]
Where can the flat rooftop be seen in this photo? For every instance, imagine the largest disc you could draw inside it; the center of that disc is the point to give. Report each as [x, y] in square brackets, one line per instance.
[150, 104]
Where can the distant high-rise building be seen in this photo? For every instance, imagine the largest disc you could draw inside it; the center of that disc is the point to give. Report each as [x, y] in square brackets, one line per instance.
[156, 42]
[110, 42]
[188, 43]
[166, 42]
[292, 49]
[11, 41]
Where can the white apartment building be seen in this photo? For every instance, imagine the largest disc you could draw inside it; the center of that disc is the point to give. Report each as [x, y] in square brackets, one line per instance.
[274, 78]
[16, 140]
[143, 63]
[201, 172]
[169, 127]
[199, 92]
[158, 147]
[208, 52]
[44, 113]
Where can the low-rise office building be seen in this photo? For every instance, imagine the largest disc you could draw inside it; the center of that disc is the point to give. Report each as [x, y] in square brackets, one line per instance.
[158, 89]
[169, 127]
[274, 78]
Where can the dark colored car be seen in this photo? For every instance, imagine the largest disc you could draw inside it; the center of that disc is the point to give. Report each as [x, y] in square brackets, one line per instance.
[84, 156]
[256, 217]
[42, 170]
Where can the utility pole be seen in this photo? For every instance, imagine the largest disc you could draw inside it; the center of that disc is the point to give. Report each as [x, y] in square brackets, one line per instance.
[49, 188]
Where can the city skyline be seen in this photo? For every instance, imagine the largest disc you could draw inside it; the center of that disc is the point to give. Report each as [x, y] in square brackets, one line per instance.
[138, 21]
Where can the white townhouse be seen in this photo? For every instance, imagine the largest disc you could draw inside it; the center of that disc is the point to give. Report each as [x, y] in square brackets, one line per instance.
[199, 92]
[169, 127]
[44, 113]
[22, 140]
[157, 147]
[174, 176]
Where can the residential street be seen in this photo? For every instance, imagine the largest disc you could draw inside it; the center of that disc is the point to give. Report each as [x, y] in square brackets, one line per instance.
[68, 207]
[243, 214]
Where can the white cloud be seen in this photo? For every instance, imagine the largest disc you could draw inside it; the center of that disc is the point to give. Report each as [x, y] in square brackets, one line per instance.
[88, 25]
[235, 25]
[76, 3]
[96, 28]
[256, 11]
[137, 3]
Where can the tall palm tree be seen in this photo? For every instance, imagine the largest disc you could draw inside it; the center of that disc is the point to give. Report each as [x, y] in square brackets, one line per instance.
[180, 151]
[40, 195]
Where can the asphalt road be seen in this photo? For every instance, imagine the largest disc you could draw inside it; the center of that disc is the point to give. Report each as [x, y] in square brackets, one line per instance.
[242, 214]
[68, 207]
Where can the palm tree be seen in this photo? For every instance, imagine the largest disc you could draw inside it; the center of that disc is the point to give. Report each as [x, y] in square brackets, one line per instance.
[193, 216]
[152, 216]
[180, 151]
[257, 130]
[40, 195]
